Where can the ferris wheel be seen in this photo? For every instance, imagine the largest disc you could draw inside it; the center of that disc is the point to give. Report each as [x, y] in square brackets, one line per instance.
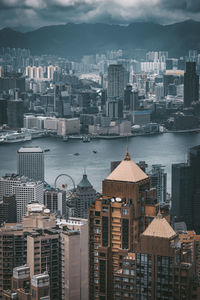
[65, 182]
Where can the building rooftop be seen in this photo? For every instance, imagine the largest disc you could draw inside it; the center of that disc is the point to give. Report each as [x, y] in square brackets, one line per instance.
[128, 171]
[30, 150]
[84, 183]
[159, 227]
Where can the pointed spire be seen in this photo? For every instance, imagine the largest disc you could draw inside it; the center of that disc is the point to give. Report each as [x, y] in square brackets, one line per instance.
[127, 156]
[159, 215]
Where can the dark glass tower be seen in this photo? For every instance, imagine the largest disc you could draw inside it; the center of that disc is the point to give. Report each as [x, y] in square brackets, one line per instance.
[191, 84]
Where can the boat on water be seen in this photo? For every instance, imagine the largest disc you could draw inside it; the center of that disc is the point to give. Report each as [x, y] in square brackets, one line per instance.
[46, 150]
[65, 138]
[16, 137]
[86, 139]
[94, 151]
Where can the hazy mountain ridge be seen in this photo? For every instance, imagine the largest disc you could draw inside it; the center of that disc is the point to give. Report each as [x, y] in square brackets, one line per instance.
[75, 40]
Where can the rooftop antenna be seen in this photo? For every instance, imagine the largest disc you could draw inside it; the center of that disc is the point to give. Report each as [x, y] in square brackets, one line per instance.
[127, 156]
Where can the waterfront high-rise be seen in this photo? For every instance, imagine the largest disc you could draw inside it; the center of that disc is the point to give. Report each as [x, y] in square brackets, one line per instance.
[15, 111]
[191, 84]
[116, 220]
[115, 82]
[30, 163]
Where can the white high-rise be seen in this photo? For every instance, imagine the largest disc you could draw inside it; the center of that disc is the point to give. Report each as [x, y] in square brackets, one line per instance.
[30, 162]
[24, 189]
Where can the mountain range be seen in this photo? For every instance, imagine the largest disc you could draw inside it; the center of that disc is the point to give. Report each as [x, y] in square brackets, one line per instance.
[75, 40]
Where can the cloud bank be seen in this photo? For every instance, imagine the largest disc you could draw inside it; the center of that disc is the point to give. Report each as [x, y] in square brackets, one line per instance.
[37, 13]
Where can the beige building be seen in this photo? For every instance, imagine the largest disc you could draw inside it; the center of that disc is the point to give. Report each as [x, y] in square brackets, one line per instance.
[68, 126]
[74, 257]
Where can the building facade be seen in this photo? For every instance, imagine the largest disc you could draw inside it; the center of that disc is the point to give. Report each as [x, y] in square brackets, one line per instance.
[30, 163]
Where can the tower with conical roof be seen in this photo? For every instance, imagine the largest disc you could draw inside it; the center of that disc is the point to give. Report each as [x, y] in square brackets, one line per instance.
[116, 221]
[85, 196]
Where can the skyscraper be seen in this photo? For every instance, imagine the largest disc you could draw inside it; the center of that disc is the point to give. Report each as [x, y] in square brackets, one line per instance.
[55, 201]
[186, 190]
[85, 196]
[191, 84]
[24, 189]
[116, 221]
[159, 181]
[15, 111]
[30, 162]
[115, 82]
[161, 267]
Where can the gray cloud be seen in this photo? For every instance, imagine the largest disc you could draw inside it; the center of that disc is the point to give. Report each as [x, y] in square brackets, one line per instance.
[36, 13]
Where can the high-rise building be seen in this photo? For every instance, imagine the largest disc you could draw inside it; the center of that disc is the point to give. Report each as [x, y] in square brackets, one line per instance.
[24, 189]
[191, 84]
[186, 190]
[58, 247]
[85, 196]
[161, 267]
[3, 111]
[15, 113]
[74, 253]
[159, 181]
[55, 201]
[30, 163]
[12, 254]
[8, 210]
[43, 255]
[116, 221]
[115, 82]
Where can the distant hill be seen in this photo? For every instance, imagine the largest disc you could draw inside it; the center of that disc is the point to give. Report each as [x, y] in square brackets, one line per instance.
[76, 40]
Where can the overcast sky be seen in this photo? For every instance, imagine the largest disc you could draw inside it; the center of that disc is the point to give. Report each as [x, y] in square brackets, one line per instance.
[37, 13]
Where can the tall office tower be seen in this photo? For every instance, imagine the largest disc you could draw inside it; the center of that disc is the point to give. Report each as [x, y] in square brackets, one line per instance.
[15, 113]
[115, 82]
[160, 268]
[114, 109]
[186, 190]
[85, 196]
[116, 221]
[24, 189]
[3, 111]
[74, 253]
[59, 87]
[159, 181]
[191, 84]
[8, 210]
[30, 163]
[55, 201]
[27, 192]
[12, 254]
[181, 193]
[194, 162]
[128, 96]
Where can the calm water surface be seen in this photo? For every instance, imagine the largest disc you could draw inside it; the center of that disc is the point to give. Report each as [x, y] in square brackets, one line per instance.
[158, 149]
